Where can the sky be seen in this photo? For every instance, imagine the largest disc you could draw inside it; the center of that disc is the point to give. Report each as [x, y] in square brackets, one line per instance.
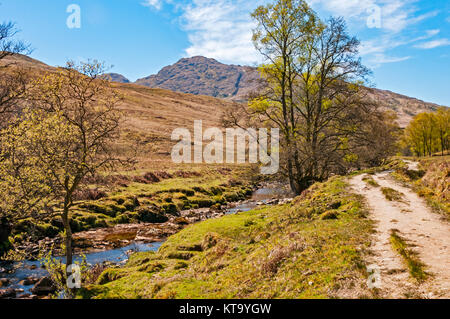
[405, 42]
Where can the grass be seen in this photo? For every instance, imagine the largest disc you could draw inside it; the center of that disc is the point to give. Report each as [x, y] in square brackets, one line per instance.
[432, 182]
[415, 266]
[290, 251]
[145, 201]
[391, 194]
[369, 180]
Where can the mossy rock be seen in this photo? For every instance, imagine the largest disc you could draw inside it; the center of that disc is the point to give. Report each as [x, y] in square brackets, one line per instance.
[152, 267]
[151, 214]
[170, 208]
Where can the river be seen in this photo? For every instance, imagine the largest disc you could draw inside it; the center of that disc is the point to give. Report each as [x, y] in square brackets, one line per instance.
[16, 272]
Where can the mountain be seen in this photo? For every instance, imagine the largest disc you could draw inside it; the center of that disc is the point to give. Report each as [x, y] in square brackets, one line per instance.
[115, 77]
[203, 76]
[203, 79]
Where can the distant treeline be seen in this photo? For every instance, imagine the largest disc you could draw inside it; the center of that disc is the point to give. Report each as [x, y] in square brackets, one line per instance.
[428, 133]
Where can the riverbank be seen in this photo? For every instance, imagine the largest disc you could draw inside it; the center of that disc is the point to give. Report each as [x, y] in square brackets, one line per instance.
[137, 198]
[112, 246]
[310, 248]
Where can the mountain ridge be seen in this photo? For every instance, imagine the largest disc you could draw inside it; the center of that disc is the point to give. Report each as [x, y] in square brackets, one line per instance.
[203, 76]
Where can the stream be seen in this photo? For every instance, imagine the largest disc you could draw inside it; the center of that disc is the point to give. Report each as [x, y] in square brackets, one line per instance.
[16, 272]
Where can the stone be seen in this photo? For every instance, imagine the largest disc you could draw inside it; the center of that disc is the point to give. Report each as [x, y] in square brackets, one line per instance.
[43, 287]
[29, 281]
[7, 293]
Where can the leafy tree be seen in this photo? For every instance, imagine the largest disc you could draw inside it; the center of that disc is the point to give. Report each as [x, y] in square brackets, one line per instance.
[312, 91]
[428, 133]
[68, 134]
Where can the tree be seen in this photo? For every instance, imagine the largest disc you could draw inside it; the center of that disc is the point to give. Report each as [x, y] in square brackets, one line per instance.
[313, 89]
[12, 82]
[443, 128]
[8, 45]
[12, 87]
[428, 133]
[68, 134]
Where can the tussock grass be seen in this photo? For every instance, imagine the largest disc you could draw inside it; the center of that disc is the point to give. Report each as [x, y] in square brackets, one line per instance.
[391, 194]
[369, 180]
[415, 266]
[432, 182]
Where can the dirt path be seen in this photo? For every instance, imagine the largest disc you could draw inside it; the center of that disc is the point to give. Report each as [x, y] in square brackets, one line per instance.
[425, 231]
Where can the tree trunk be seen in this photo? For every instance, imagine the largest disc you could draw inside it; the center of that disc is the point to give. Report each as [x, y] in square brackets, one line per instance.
[68, 239]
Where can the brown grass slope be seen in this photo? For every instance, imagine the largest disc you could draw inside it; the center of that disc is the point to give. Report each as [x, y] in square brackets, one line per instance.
[150, 114]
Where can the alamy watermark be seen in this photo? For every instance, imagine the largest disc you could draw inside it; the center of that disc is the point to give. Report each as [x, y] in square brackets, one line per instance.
[74, 19]
[74, 278]
[234, 145]
[374, 18]
[374, 279]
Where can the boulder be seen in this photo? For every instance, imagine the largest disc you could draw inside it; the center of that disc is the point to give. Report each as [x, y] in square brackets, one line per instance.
[29, 281]
[151, 215]
[45, 286]
[7, 293]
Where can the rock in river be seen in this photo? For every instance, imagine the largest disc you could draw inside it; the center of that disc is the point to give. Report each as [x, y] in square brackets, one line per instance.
[43, 287]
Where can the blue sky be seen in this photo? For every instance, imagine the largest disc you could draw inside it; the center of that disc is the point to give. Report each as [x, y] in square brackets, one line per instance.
[405, 42]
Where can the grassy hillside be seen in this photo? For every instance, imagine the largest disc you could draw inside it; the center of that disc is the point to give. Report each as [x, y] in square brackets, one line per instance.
[311, 248]
[432, 182]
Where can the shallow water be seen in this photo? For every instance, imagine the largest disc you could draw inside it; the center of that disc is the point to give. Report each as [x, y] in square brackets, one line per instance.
[18, 271]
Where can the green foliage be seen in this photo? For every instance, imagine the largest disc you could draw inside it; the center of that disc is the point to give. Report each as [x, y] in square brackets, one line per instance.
[429, 133]
[391, 194]
[415, 266]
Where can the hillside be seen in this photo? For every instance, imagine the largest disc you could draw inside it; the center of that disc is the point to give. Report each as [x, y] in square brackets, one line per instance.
[203, 76]
[150, 114]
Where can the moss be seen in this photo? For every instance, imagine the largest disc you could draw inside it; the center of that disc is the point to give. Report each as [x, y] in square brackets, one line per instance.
[171, 208]
[109, 275]
[330, 214]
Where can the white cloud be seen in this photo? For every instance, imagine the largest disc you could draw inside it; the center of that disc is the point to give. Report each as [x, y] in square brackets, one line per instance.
[221, 29]
[381, 58]
[433, 44]
[156, 4]
[395, 15]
